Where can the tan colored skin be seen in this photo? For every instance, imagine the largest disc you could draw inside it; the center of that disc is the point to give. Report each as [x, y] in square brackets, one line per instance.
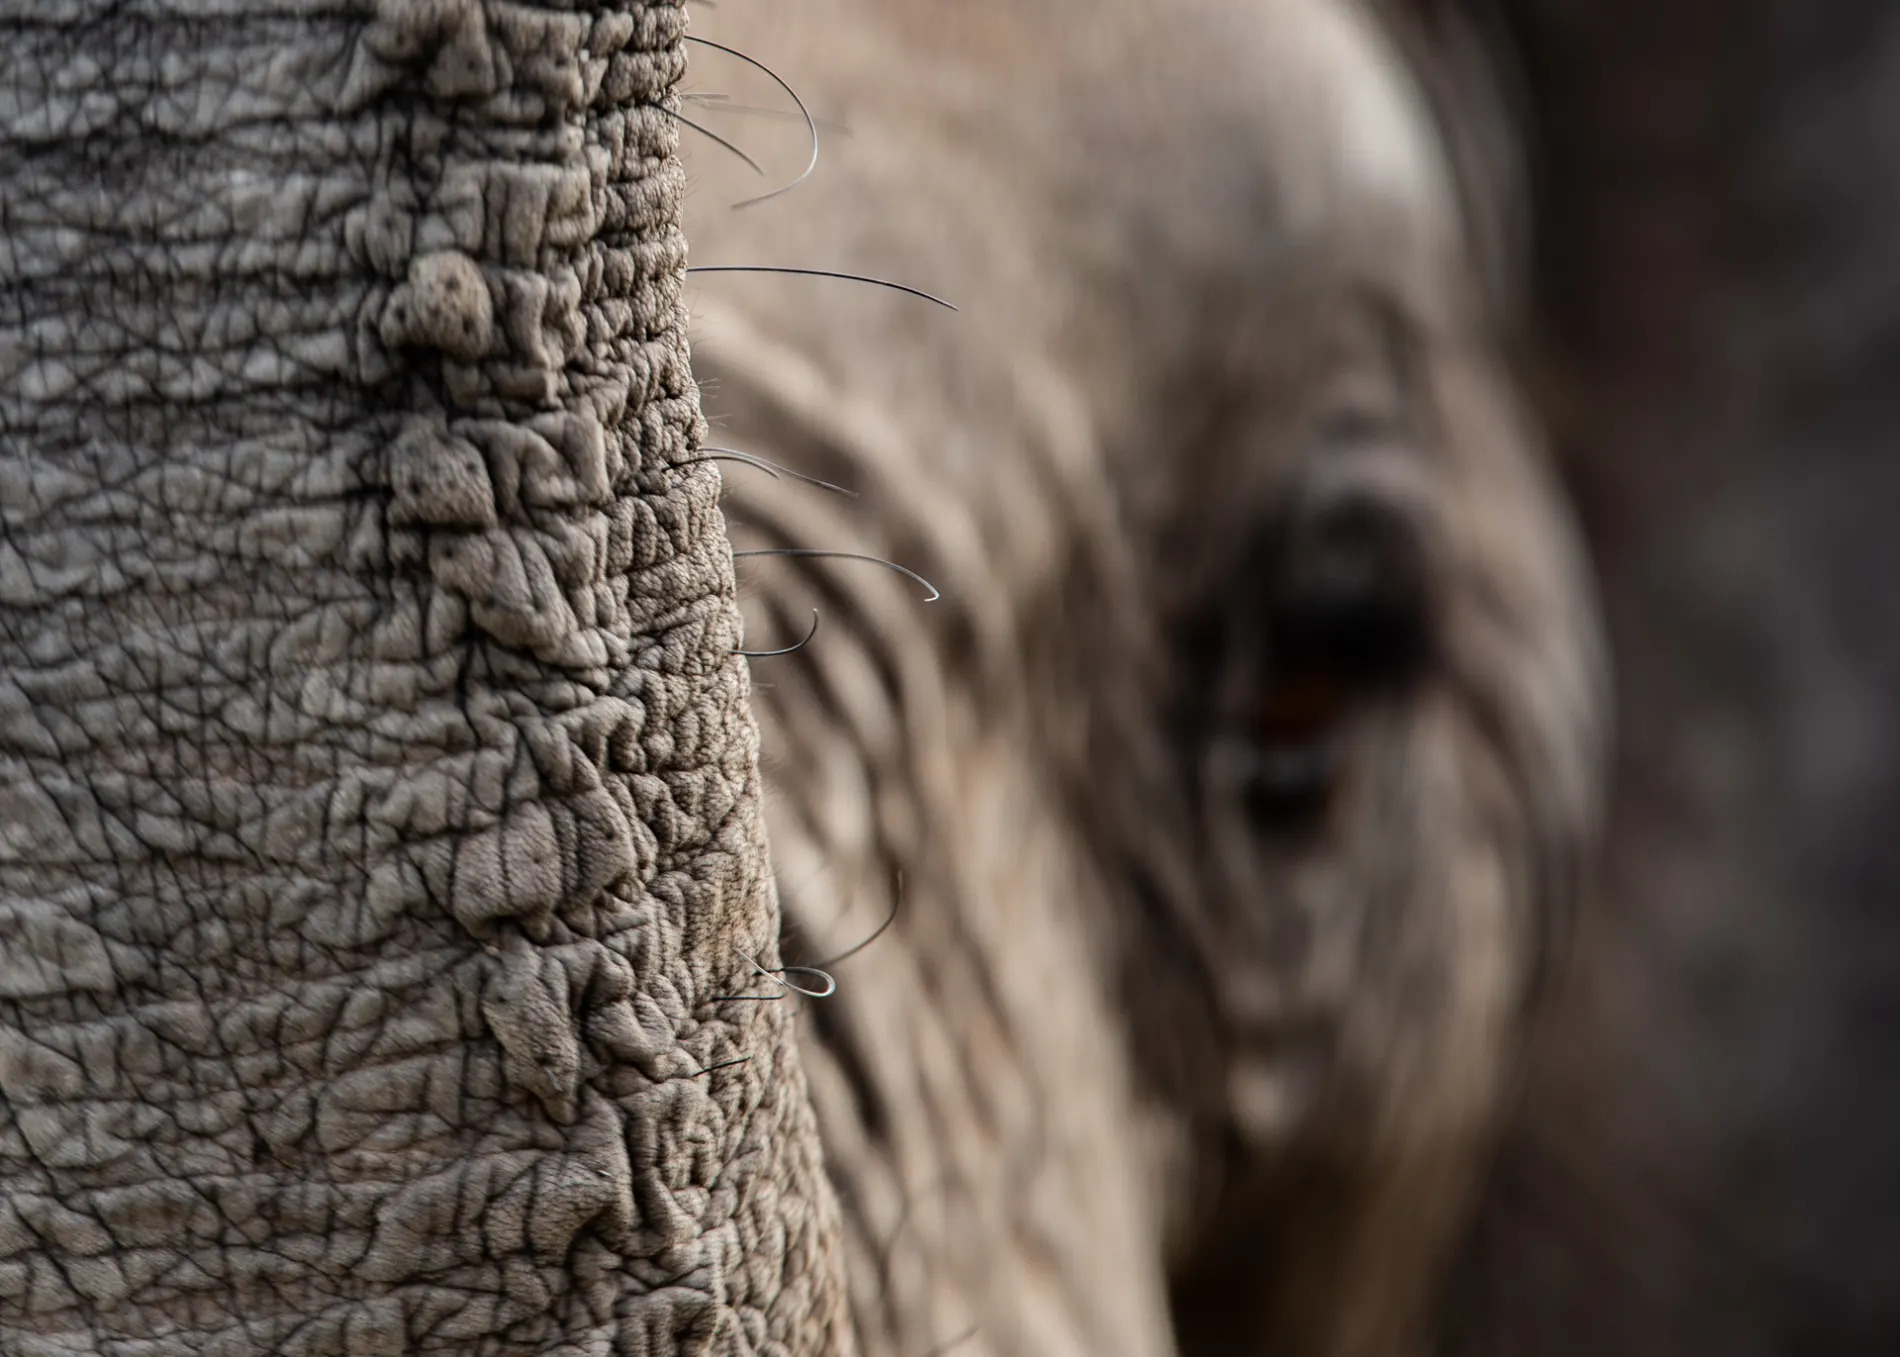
[379, 805]
[1138, 1069]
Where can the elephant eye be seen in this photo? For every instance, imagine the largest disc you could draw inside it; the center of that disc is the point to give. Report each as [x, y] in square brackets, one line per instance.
[1340, 620]
[1285, 762]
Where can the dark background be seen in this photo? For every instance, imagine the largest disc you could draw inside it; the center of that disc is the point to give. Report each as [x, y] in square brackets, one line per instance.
[1710, 1159]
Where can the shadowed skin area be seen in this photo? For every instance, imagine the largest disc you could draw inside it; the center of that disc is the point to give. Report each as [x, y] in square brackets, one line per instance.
[1241, 780]
[379, 808]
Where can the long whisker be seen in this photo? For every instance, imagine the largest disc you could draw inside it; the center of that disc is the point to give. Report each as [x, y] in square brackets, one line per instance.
[765, 464]
[724, 1064]
[787, 650]
[822, 273]
[953, 1343]
[714, 137]
[813, 553]
[828, 985]
[725, 103]
[897, 902]
[811, 124]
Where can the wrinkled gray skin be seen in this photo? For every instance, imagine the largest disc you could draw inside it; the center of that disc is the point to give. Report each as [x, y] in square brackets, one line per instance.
[379, 807]
[1240, 782]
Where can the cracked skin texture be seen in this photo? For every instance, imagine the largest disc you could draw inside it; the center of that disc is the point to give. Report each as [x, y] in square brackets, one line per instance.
[379, 806]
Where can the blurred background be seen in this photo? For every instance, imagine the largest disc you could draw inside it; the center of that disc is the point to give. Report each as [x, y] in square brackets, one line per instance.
[1711, 1157]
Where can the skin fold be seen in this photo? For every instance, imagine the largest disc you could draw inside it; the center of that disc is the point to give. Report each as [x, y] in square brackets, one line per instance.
[380, 835]
[1234, 798]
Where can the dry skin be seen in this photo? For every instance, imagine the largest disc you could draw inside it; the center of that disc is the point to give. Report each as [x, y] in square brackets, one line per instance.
[378, 798]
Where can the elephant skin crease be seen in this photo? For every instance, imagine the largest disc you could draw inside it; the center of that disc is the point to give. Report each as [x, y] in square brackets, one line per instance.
[1140, 1068]
[380, 816]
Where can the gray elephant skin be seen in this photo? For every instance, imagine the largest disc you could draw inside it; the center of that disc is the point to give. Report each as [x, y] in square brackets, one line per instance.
[379, 807]
[391, 946]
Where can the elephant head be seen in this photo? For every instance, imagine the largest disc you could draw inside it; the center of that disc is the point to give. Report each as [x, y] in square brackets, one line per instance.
[382, 880]
[1241, 782]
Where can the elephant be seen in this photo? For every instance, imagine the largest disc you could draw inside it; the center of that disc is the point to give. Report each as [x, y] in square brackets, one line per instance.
[392, 954]
[1182, 911]
[380, 837]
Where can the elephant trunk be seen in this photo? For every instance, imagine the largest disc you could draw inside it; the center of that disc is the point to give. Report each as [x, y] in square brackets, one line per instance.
[380, 844]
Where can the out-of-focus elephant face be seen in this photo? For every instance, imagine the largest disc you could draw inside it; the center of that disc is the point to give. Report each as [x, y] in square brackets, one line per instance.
[1382, 697]
[1382, 705]
[1342, 669]
[1344, 685]
[1252, 746]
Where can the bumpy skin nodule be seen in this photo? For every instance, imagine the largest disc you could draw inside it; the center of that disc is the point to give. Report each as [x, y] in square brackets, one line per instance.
[379, 810]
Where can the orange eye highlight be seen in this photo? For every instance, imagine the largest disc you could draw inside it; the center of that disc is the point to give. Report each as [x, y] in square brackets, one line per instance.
[1302, 707]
